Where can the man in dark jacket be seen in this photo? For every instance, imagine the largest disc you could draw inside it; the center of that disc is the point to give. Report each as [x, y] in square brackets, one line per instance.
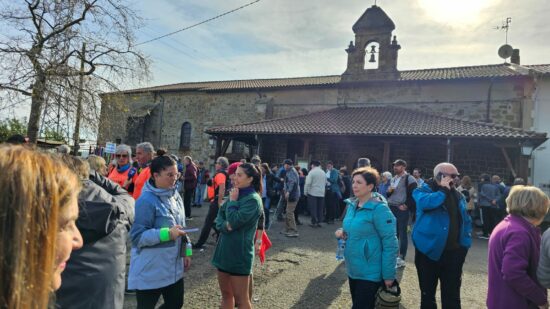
[95, 275]
[189, 185]
[488, 197]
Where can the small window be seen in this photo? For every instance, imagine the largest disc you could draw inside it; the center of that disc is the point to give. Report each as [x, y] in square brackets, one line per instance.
[185, 138]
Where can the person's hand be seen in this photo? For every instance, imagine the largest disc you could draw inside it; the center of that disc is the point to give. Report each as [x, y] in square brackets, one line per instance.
[494, 202]
[175, 232]
[389, 283]
[228, 227]
[234, 194]
[402, 207]
[340, 234]
[127, 182]
[186, 262]
[545, 306]
[258, 247]
[446, 182]
[287, 195]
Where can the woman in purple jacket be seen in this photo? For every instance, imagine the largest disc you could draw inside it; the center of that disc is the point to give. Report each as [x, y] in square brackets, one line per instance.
[514, 249]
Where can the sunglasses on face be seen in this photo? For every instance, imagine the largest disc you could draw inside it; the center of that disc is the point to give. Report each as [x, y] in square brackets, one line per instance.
[121, 155]
[452, 175]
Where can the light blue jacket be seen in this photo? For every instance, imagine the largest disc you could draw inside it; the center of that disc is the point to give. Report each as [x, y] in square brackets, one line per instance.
[371, 246]
[432, 222]
[155, 264]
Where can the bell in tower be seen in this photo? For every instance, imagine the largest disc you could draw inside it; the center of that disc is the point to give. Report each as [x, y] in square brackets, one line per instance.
[373, 45]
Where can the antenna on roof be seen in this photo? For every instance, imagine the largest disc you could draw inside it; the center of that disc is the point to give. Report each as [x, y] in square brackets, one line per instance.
[505, 26]
[505, 51]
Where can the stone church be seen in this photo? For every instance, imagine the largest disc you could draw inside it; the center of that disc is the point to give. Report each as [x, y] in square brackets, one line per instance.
[486, 119]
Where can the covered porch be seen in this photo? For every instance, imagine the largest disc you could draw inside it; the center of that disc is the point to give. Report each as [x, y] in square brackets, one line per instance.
[384, 134]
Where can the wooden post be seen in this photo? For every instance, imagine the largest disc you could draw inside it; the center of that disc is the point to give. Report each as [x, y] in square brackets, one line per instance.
[449, 150]
[218, 147]
[386, 156]
[523, 170]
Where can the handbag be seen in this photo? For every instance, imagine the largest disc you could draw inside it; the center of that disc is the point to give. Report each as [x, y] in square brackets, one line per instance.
[388, 298]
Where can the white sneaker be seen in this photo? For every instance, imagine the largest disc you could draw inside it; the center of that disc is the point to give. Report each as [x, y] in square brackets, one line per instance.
[400, 263]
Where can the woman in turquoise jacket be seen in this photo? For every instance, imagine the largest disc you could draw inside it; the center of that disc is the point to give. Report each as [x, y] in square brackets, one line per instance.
[371, 241]
[237, 222]
[157, 262]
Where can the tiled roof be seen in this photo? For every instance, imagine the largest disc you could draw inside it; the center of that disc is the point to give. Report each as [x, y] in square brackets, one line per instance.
[481, 71]
[377, 121]
[540, 68]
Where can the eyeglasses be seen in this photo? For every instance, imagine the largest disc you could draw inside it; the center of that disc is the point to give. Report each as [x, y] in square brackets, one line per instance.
[170, 175]
[452, 175]
[121, 155]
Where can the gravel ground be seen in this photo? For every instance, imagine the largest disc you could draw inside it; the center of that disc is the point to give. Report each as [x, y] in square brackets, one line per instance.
[303, 273]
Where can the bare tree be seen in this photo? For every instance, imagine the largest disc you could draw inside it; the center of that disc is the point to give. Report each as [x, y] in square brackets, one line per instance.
[41, 53]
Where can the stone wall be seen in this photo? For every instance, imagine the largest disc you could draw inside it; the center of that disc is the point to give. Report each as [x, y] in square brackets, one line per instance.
[460, 99]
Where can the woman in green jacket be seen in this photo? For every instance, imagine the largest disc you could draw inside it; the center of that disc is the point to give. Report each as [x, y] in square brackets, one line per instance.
[237, 222]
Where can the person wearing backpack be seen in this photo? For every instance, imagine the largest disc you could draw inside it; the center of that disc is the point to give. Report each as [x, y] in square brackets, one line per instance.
[218, 187]
[399, 198]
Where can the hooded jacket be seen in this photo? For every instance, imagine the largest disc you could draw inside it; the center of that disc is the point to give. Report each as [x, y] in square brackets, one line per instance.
[95, 275]
[156, 264]
[371, 245]
[432, 221]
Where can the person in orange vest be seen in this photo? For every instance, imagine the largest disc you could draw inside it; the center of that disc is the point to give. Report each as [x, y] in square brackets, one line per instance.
[123, 173]
[144, 156]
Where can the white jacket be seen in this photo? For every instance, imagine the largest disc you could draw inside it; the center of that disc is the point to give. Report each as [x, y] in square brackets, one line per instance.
[315, 183]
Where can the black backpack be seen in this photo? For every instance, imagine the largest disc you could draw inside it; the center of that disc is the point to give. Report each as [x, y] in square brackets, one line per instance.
[210, 183]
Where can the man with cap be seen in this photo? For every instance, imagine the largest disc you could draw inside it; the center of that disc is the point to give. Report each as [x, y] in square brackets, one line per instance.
[399, 192]
[292, 195]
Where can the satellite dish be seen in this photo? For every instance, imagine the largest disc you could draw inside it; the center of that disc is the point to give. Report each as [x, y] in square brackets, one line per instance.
[505, 51]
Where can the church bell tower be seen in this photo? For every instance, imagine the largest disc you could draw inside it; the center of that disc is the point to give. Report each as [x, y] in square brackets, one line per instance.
[373, 55]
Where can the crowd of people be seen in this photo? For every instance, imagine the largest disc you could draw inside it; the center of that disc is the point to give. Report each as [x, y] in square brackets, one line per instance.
[142, 201]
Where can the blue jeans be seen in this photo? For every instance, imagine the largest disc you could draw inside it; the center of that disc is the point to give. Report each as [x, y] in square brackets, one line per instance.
[199, 193]
[267, 204]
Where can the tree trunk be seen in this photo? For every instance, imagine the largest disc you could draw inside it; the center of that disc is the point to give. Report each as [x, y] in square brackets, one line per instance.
[37, 104]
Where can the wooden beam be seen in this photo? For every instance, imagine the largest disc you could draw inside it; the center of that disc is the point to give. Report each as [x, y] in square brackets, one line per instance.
[508, 161]
[225, 145]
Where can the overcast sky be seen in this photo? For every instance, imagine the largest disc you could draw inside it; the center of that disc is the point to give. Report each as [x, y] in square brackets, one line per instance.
[288, 38]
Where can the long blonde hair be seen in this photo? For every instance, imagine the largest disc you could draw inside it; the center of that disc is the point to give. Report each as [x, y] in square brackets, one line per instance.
[35, 190]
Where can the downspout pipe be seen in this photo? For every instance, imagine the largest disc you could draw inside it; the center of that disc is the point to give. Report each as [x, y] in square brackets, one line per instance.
[489, 93]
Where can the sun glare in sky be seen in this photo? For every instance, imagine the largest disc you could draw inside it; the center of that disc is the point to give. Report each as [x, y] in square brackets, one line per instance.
[455, 12]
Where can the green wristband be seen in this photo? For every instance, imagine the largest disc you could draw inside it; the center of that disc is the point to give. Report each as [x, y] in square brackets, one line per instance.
[164, 234]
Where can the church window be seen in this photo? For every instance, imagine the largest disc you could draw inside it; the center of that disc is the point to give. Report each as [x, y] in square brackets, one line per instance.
[185, 138]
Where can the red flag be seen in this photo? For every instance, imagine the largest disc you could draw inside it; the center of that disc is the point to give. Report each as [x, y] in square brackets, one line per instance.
[266, 244]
